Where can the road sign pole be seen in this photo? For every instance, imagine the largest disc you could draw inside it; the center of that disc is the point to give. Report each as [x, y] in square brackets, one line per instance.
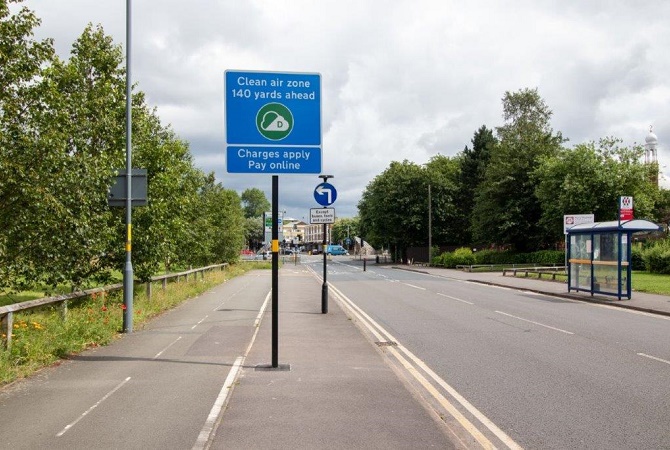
[324, 287]
[275, 272]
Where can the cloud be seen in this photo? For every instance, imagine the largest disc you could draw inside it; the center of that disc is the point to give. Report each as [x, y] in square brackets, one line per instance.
[400, 80]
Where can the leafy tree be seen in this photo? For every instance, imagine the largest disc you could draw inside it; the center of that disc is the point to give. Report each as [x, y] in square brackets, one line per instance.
[473, 162]
[391, 211]
[254, 230]
[506, 210]
[442, 174]
[255, 203]
[589, 179]
[21, 67]
[345, 227]
[227, 223]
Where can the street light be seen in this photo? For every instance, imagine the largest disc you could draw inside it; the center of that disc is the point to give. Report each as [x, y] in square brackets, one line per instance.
[324, 287]
[430, 228]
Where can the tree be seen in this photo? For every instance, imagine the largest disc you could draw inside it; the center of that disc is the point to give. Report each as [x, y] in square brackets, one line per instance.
[393, 210]
[442, 174]
[589, 179]
[255, 203]
[506, 210]
[473, 163]
[344, 228]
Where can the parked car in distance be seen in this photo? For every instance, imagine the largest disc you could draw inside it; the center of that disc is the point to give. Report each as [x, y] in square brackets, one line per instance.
[336, 250]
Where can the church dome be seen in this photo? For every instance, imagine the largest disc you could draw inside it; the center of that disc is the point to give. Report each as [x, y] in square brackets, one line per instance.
[651, 138]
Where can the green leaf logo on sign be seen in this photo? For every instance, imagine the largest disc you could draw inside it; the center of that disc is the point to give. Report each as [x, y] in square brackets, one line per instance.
[274, 121]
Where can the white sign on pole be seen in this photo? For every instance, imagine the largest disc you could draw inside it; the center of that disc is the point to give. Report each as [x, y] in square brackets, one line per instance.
[321, 215]
[570, 220]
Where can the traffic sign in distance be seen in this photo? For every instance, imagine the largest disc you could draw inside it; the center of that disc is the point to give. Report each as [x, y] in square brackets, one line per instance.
[325, 194]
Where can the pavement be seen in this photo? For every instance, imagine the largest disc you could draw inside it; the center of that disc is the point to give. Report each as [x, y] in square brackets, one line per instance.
[640, 301]
[334, 388]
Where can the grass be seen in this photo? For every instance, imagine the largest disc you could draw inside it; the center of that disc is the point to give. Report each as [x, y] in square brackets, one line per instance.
[652, 283]
[41, 337]
[642, 281]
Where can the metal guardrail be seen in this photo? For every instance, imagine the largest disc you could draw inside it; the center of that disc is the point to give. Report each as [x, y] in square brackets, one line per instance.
[7, 312]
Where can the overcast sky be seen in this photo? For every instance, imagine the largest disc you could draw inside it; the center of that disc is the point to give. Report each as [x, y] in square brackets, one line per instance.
[400, 79]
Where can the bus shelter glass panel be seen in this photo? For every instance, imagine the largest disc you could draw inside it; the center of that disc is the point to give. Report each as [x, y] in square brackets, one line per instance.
[580, 261]
[605, 262]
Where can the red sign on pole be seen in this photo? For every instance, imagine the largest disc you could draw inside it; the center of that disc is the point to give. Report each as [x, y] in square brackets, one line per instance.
[626, 208]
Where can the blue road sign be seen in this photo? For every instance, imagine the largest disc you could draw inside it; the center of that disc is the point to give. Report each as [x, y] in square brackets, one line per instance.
[273, 122]
[325, 194]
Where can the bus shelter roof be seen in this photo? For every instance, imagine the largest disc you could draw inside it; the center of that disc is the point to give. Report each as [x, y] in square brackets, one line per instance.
[629, 226]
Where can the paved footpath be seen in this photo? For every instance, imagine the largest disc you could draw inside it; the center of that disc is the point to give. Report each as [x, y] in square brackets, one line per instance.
[189, 380]
[339, 392]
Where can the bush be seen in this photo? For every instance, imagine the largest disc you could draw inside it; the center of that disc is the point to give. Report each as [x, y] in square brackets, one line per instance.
[637, 258]
[546, 257]
[461, 256]
[657, 258]
[465, 256]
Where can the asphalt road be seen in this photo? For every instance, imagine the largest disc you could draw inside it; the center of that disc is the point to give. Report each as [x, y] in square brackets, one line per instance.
[549, 372]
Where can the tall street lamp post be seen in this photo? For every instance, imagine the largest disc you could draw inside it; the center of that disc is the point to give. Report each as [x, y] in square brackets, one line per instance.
[430, 228]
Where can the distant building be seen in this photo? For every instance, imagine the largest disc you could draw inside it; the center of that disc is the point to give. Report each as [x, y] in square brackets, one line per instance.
[651, 156]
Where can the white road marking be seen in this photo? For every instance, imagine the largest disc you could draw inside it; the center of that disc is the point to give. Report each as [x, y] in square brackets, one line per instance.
[535, 323]
[415, 287]
[201, 321]
[67, 427]
[654, 358]
[162, 351]
[384, 336]
[213, 416]
[454, 298]
[204, 438]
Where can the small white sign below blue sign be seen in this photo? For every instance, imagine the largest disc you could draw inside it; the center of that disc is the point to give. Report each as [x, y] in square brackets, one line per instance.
[273, 122]
[325, 194]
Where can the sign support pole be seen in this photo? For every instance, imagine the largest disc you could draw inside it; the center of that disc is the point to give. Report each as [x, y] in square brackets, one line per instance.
[324, 287]
[275, 271]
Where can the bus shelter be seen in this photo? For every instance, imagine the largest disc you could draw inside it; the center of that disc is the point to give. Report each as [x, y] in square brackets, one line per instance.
[599, 256]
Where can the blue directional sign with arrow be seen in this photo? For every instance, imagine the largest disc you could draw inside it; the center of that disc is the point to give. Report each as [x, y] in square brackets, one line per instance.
[325, 194]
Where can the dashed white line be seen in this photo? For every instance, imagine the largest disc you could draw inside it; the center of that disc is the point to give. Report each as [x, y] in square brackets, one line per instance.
[67, 427]
[415, 287]
[455, 298]
[535, 323]
[201, 321]
[654, 358]
[162, 351]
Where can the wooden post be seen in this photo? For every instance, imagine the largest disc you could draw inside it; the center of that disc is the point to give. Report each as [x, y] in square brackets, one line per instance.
[7, 327]
[148, 290]
[164, 283]
[63, 310]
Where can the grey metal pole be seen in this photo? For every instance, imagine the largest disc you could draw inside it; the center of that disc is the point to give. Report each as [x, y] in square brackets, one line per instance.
[128, 269]
[430, 228]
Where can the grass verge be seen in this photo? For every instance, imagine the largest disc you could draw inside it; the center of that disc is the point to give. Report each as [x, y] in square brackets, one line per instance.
[41, 337]
[642, 281]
